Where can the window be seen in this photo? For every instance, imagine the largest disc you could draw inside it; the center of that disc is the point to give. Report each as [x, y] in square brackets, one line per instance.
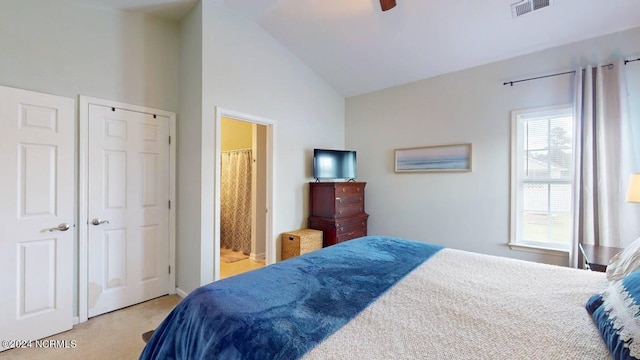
[542, 177]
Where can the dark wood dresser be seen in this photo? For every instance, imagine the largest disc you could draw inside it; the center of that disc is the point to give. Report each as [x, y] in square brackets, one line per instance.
[337, 208]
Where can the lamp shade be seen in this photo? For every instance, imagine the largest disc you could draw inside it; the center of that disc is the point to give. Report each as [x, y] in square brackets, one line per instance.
[633, 192]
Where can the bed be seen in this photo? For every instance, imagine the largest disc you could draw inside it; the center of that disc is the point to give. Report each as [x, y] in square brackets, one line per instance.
[390, 298]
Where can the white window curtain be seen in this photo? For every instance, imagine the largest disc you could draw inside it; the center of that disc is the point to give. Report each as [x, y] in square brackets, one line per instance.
[235, 200]
[604, 160]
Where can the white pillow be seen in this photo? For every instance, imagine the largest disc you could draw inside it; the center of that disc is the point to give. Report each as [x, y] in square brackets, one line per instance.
[624, 262]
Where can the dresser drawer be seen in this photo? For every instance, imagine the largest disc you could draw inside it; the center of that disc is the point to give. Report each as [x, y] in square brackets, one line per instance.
[351, 229]
[349, 188]
[346, 199]
[348, 210]
[350, 235]
[329, 200]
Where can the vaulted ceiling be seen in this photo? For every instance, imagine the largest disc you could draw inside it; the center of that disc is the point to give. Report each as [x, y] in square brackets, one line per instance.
[357, 48]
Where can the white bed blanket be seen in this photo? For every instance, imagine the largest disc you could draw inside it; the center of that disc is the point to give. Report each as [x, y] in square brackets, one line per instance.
[462, 305]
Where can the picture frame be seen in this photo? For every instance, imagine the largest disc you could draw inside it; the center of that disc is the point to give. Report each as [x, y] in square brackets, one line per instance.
[440, 158]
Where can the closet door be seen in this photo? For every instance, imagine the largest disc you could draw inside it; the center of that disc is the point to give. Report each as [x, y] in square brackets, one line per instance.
[128, 208]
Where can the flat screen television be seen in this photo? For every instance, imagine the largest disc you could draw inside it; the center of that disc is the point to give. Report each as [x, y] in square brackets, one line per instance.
[334, 164]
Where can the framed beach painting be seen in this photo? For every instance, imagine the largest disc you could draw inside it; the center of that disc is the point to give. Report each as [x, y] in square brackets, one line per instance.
[455, 158]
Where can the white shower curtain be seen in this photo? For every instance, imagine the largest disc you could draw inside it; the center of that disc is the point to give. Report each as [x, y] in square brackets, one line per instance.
[604, 160]
[235, 199]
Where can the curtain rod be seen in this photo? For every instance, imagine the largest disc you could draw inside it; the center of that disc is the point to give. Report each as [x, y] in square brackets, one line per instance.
[538, 77]
[558, 74]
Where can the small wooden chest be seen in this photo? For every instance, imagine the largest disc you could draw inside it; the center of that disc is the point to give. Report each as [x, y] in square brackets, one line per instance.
[299, 242]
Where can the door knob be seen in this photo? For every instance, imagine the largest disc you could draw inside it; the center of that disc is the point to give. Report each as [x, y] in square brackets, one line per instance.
[61, 227]
[97, 221]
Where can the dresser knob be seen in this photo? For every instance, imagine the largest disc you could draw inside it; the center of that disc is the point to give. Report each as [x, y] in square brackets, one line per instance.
[339, 200]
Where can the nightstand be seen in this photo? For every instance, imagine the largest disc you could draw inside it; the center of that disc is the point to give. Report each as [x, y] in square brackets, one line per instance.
[597, 257]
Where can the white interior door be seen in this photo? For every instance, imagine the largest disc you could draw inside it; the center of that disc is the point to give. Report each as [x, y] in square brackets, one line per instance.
[36, 214]
[128, 208]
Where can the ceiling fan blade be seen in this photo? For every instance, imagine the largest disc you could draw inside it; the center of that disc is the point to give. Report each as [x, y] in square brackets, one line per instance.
[387, 4]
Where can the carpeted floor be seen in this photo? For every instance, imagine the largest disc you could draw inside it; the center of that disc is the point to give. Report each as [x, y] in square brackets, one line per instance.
[116, 335]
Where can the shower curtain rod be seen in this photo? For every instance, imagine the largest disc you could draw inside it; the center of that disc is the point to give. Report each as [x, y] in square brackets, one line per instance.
[558, 74]
[245, 149]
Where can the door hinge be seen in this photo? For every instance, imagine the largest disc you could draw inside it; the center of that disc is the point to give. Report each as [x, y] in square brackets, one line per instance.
[169, 140]
[169, 269]
[169, 204]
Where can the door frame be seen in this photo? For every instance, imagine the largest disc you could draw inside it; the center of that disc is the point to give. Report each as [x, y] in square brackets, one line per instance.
[270, 246]
[83, 199]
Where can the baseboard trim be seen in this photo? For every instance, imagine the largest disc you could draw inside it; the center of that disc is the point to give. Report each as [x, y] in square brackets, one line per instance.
[260, 256]
[181, 293]
[76, 320]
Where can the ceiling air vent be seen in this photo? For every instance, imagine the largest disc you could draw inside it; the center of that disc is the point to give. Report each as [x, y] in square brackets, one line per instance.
[527, 6]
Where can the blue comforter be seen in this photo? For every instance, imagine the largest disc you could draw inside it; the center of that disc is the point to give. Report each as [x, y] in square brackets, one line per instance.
[283, 310]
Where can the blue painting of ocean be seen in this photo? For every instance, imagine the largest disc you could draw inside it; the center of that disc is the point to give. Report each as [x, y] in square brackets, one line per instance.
[451, 163]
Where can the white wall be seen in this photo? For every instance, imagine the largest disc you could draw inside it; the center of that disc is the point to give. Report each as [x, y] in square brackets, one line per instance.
[188, 153]
[70, 48]
[247, 71]
[469, 211]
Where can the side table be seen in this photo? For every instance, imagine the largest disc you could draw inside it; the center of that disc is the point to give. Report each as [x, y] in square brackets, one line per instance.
[597, 257]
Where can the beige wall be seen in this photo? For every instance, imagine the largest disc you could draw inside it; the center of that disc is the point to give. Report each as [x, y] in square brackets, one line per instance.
[235, 134]
[464, 210]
